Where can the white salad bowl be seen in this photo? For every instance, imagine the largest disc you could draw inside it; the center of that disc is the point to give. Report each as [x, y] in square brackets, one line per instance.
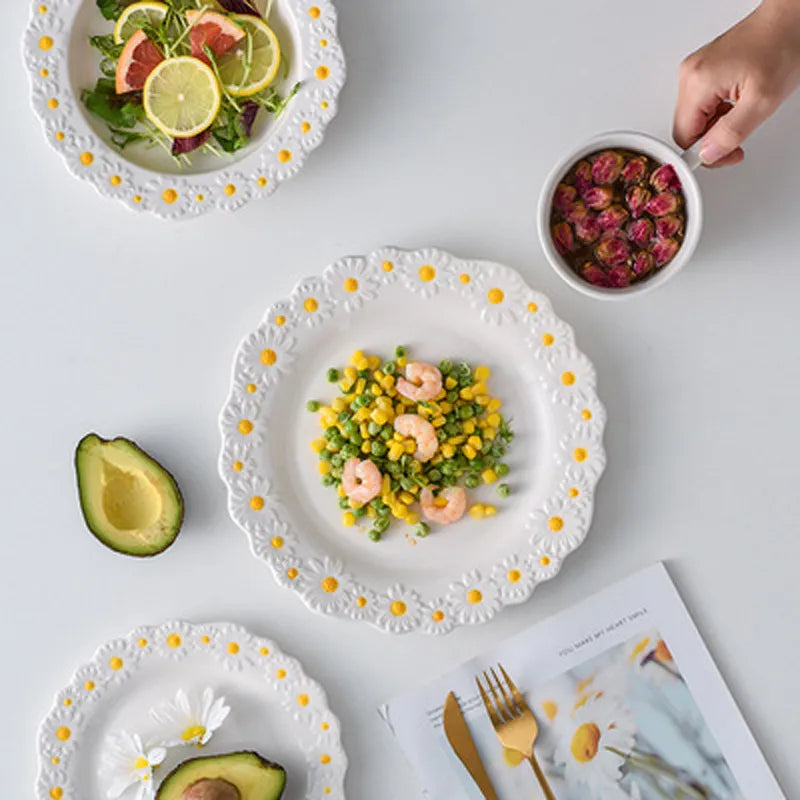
[61, 63]
[684, 164]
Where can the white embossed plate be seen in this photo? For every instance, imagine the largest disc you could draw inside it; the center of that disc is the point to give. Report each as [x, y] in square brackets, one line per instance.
[276, 709]
[61, 64]
[440, 307]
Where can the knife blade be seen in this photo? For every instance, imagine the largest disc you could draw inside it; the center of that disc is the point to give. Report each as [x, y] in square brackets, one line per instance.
[457, 733]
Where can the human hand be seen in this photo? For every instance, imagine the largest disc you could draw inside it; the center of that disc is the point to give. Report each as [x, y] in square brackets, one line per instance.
[731, 85]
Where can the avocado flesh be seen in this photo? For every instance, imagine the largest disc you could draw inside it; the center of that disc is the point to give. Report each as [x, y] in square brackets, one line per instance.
[129, 501]
[254, 776]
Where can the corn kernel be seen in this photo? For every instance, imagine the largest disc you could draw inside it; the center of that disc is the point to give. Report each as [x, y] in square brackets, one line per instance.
[379, 416]
[338, 404]
[388, 381]
[371, 512]
[490, 511]
[410, 447]
[489, 433]
[402, 362]
[400, 511]
[351, 373]
[399, 409]
[477, 511]
[318, 445]
[356, 357]
[482, 373]
[457, 439]
[395, 451]
[376, 390]
[365, 448]
[494, 404]
[478, 388]
[384, 402]
[450, 383]
[466, 393]
[412, 518]
[406, 497]
[373, 361]
[445, 407]
[324, 467]
[475, 441]
[440, 395]
[355, 503]
[386, 485]
[489, 476]
[361, 384]
[448, 451]
[468, 427]
[437, 422]
[439, 502]
[348, 519]
[345, 386]
[437, 459]
[415, 489]
[423, 411]
[364, 429]
[482, 399]
[469, 451]
[362, 364]
[340, 491]
[493, 420]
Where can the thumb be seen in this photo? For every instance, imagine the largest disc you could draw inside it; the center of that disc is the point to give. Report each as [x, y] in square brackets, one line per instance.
[730, 130]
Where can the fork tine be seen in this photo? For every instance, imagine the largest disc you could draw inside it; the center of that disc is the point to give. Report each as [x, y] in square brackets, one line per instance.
[518, 698]
[490, 710]
[505, 713]
[509, 702]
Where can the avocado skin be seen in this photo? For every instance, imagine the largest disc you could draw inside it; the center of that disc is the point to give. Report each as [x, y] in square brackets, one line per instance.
[166, 784]
[106, 541]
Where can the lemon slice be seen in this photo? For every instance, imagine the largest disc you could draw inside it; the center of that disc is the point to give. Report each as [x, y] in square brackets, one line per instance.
[181, 96]
[264, 58]
[146, 12]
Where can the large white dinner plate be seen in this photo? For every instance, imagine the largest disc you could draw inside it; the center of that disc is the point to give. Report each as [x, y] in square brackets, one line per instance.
[61, 63]
[458, 575]
[276, 709]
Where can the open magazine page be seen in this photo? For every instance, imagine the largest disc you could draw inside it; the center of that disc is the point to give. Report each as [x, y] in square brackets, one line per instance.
[628, 701]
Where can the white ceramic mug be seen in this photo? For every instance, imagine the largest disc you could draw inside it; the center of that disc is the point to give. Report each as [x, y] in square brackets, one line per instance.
[684, 164]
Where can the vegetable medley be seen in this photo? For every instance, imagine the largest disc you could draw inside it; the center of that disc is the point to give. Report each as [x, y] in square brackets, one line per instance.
[406, 439]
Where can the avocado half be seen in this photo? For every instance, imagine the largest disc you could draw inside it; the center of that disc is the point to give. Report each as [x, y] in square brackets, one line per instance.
[253, 777]
[129, 501]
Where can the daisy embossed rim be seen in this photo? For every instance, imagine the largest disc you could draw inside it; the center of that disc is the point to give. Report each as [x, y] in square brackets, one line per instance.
[439, 306]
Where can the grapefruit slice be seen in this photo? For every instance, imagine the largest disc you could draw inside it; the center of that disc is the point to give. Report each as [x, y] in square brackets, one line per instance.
[138, 59]
[210, 29]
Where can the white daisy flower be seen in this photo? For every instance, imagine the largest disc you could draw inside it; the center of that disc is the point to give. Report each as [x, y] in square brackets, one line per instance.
[273, 541]
[236, 462]
[436, 618]
[287, 570]
[251, 505]
[551, 705]
[536, 307]
[126, 762]
[557, 528]
[324, 585]
[115, 660]
[240, 422]
[577, 488]
[188, 720]
[235, 188]
[399, 610]
[384, 265]
[463, 279]
[498, 294]
[280, 674]
[281, 315]
[310, 302]
[474, 598]
[586, 748]
[265, 355]
[361, 603]
[424, 272]
[232, 649]
[351, 282]
[173, 640]
[582, 454]
[550, 338]
[589, 412]
[544, 566]
[58, 733]
[88, 683]
[515, 579]
[568, 375]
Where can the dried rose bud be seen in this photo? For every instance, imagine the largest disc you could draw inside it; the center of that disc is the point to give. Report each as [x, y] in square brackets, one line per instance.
[564, 196]
[664, 250]
[643, 262]
[665, 178]
[661, 204]
[612, 218]
[588, 229]
[598, 196]
[634, 170]
[637, 197]
[583, 176]
[620, 277]
[612, 250]
[668, 226]
[640, 231]
[576, 211]
[595, 275]
[563, 238]
[606, 167]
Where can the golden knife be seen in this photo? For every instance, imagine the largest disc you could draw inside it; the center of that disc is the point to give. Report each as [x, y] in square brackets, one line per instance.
[457, 733]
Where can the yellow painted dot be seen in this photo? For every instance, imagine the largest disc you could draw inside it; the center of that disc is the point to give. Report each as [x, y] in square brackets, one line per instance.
[361, 601]
[573, 492]
[322, 72]
[233, 648]
[464, 278]
[237, 466]
[44, 72]
[548, 339]
[305, 127]
[474, 596]
[115, 180]
[137, 198]
[324, 759]
[67, 701]
[56, 793]
[302, 700]
[280, 674]
[437, 615]
[533, 308]
[60, 136]
[89, 686]
[514, 576]
[545, 561]
[169, 196]
[291, 573]
[327, 790]
[45, 43]
[585, 743]
[277, 542]
[323, 104]
[280, 320]
[261, 181]
[329, 584]
[264, 651]
[323, 42]
[284, 156]
[245, 427]
[116, 663]
[174, 640]
[580, 454]
[251, 388]
[310, 305]
[205, 639]
[42, 9]
[325, 726]
[314, 12]
[426, 273]
[199, 197]
[52, 104]
[555, 524]
[351, 285]
[398, 608]
[586, 414]
[568, 378]
[387, 266]
[63, 733]
[87, 159]
[256, 502]
[230, 190]
[495, 296]
[268, 357]
[55, 760]
[142, 642]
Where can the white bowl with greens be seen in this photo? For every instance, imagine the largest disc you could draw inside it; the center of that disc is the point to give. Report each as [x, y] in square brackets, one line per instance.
[183, 106]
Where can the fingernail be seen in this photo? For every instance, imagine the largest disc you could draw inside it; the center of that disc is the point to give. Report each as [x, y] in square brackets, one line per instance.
[710, 153]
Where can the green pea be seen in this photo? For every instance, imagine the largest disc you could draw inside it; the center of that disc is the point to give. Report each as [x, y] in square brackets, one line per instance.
[357, 439]
[422, 529]
[479, 463]
[395, 485]
[502, 470]
[331, 432]
[389, 368]
[325, 455]
[374, 535]
[464, 369]
[446, 366]
[364, 399]
[386, 433]
[333, 375]
[465, 412]
[434, 475]
[472, 481]
[378, 449]
[504, 490]
[350, 427]
[441, 434]
[343, 416]
[364, 373]
[486, 447]
[328, 480]
[359, 512]
[451, 396]
[349, 451]
[373, 428]
[399, 351]
[477, 409]
[313, 406]
[344, 503]
[407, 484]
[337, 460]
[381, 524]
[447, 468]
[451, 428]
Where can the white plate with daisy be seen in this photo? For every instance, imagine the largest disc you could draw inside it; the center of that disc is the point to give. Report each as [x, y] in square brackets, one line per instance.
[438, 307]
[164, 694]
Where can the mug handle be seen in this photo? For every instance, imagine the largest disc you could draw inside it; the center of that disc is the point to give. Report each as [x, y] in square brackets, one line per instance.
[692, 156]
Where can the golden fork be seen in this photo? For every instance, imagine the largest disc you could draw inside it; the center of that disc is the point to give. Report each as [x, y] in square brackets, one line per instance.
[513, 721]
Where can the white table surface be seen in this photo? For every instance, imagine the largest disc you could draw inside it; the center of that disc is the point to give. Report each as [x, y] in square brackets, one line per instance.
[451, 117]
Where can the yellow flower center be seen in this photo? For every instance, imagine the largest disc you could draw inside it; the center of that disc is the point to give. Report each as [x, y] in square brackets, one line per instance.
[310, 305]
[639, 647]
[585, 742]
[495, 296]
[193, 732]
[427, 273]
[330, 584]
[514, 576]
[351, 285]
[555, 524]
[568, 378]
[398, 608]
[141, 763]
[550, 708]
[580, 454]
[474, 596]
[268, 357]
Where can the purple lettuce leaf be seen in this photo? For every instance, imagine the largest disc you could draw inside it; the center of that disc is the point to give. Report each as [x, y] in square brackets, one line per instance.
[240, 7]
[189, 143]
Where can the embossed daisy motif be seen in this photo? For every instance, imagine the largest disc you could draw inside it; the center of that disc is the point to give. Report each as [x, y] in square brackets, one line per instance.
[325, 584]
[128, 763]
[236, 460]
[273, 538]
[248, 504]
[174, 643]
[60, 729]
[550, 338]
[281, 315]
[310, 302]
[514, 578]
[384, 264]
[474, 598]
[232, 651]
[424, 273]
[543, 566]
[582, 454]
[461, 278]
[189, 718]
[589, 412]
[569, 376]
[88, 684]
[436, 618]
[287, 569]
[233, 190]
[351, 282]
[557, 528]
[240, 421]
[265, 356]
[498, 295]
[576, 488]
[116, 658]
[399, 610]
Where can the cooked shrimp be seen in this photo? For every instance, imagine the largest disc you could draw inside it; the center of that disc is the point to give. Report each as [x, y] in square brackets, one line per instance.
[361, 480]
[421, 431]
[453, 509]
[422, 381]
